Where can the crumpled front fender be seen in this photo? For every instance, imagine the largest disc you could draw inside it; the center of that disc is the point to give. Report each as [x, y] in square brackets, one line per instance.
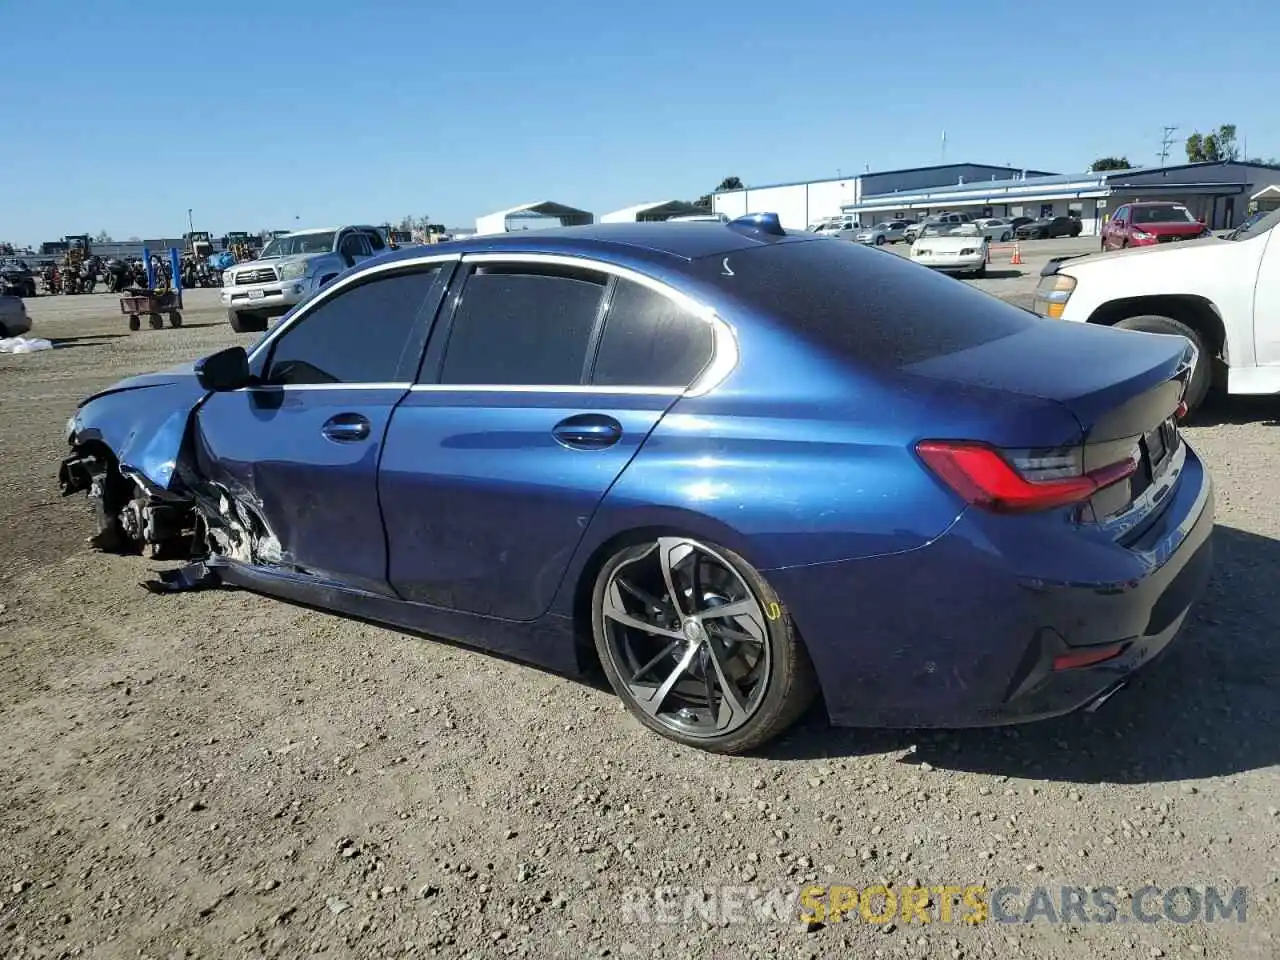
[144, 425]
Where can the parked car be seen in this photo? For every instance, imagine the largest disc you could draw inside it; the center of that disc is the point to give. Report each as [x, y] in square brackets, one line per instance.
[289, 269]
[914, 230]
[631, 444]
[1049, 227]
[1221, 294]
[886, 231]
[951, 248]
[14, 319]
[1145, 224]
[995, 229]
[836, 226]
[1016, 222]
[17, 279]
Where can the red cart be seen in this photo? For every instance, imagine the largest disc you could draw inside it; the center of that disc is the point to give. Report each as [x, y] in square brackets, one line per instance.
[153, 303]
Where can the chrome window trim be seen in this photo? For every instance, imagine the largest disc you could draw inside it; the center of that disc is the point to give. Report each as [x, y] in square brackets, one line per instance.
[724, 351]
[337, 287]
[325, 386]
[543, 388]
[724, 347]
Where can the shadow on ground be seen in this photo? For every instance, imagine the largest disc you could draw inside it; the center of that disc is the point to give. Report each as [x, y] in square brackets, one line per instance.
[1207, 707]
[1220, 409]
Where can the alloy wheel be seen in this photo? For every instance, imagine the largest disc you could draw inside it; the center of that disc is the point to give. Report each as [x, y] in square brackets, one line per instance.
[687, 637]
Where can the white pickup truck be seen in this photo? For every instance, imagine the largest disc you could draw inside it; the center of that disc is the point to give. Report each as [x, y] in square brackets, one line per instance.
[1221, 293]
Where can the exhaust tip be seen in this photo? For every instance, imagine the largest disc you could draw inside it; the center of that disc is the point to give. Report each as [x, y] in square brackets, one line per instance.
[1099, 701]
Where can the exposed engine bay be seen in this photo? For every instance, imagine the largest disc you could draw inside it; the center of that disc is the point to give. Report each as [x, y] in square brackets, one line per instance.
[192, 519]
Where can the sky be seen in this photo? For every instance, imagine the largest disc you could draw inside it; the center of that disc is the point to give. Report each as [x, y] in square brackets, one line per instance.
[324, 112]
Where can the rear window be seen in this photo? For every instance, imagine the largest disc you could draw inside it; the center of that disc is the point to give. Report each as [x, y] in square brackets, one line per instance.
[861, 304]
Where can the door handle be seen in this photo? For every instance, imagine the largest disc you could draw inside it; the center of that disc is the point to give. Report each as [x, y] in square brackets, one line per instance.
[346, 428]
[587, 431]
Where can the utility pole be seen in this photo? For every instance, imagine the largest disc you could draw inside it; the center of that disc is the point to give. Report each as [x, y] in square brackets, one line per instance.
[1166, 141]
[944, 146]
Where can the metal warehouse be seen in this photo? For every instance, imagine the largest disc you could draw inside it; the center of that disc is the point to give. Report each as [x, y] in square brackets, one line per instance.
[1217, 192]
[803, 203]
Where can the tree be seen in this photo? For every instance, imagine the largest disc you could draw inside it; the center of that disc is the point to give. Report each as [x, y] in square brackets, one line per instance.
[102, 237]
[135, 240]
[730, 183]
[1111, 163]
[1270, 161]
[1216, 145]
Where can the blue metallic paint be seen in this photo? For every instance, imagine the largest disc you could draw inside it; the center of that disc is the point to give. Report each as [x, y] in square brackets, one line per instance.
[267, 444]
[494, 469]
[914, 610]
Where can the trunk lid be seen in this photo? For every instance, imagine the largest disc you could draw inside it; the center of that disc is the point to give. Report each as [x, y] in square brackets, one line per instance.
[1123, 387]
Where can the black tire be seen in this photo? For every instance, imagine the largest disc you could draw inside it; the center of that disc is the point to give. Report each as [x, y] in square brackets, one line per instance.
[246, 322]
[1202, 375]
[135, 322]
[880, 240]
[175, 318]
[981, 271]
[156, 321]
[1005, 237]
[788, 685]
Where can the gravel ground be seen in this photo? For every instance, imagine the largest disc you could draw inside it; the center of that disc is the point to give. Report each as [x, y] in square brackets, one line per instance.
[223, 775]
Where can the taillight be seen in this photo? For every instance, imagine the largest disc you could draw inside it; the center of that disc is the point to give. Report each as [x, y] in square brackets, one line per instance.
[1018, 481]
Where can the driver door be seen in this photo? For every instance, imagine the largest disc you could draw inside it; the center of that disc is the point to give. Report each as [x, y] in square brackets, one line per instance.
[299, 449]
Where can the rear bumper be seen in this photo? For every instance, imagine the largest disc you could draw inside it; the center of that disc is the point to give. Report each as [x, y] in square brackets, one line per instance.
[964, 632]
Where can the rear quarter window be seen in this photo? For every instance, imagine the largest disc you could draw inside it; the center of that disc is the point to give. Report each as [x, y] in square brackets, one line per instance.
[863, 305]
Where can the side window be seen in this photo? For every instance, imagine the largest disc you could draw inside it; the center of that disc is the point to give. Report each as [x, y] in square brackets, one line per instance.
[354, 245]
[375, 241]
[1121, 214]
[372, 333]
[649, 341]
[522, 325]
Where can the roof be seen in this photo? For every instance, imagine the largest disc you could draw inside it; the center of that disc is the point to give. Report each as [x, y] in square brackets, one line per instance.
[1265, 191]
[879, 173]
[647, 241]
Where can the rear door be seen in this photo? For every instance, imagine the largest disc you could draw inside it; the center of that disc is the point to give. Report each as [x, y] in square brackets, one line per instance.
[299, 451]
[550, 375]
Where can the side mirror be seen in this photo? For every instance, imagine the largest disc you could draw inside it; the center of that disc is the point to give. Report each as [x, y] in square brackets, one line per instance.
[225, 370]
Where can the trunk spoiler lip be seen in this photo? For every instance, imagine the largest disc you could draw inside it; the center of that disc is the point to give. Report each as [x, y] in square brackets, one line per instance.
[1055, 263]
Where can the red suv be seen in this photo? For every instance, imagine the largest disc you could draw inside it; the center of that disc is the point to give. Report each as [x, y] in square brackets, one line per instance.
[1144, 224]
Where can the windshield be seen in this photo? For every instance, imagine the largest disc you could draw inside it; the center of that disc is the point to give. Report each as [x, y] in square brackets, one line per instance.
[1255, 225]
[1163, 213]
[299, 243]
[950, 230]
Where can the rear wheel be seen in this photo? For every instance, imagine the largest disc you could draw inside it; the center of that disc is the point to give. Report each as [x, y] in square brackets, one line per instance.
[1004, 237]
[698, 646]
[246, 322]
[1201, 376]
[135, 322]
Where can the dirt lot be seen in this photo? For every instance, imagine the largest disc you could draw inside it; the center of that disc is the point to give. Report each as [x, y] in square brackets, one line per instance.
[223, 775]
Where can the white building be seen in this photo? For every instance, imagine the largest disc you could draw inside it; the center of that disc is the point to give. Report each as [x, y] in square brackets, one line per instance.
[1219, 193]
[533, 216]
[650, 212]
[803, 203]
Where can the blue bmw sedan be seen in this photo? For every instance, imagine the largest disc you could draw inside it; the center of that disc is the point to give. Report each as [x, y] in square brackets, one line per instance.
[738, 469]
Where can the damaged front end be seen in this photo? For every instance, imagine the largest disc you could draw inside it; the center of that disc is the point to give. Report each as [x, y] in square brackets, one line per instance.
[131, 454]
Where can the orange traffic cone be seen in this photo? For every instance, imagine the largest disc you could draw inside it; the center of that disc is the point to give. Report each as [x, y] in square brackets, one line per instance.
[1017, 254]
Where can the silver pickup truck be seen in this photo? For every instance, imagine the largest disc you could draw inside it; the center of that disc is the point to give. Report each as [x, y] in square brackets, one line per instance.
[289, 268]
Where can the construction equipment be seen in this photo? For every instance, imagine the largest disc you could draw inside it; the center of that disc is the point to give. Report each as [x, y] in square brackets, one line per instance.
[79, 273]
[240, 245]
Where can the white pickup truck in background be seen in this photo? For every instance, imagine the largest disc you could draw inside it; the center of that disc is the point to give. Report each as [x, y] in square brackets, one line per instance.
[1221, 293]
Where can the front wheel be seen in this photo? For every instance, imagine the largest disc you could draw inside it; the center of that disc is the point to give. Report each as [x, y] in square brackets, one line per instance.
[1004, 237]
[246, 322]
[698, 645]
[880, 241]
[1201, 375]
